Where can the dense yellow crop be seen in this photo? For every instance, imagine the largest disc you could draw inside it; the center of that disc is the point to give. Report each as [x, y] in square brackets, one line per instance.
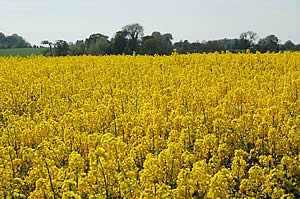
[181, 126]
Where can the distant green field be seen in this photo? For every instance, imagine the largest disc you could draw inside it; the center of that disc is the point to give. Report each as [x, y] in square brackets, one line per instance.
[21, 51]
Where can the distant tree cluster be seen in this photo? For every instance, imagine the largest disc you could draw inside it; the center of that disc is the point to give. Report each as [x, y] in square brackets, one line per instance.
[247, 40]
[131, 40]
[12, 41]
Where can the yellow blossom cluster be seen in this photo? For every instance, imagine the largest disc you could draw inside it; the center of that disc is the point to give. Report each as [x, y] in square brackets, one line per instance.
[217, 125]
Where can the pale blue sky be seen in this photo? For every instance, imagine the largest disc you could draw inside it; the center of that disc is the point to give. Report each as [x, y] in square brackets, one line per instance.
[194, 20]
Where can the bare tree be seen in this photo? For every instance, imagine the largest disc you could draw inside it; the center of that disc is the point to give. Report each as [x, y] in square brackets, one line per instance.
[134, 32]
[248, 39]
[46, 42]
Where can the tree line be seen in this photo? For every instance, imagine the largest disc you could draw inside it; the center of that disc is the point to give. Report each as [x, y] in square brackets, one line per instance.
[131, 40]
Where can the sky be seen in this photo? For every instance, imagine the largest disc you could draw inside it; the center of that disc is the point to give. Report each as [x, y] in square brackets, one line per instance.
[194, 20]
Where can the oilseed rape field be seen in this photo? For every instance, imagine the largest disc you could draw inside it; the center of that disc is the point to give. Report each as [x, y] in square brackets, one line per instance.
[217, 125]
